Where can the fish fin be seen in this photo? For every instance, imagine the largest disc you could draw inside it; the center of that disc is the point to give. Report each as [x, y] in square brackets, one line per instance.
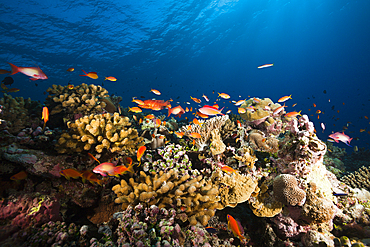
[130, 168]
[169, 112]
[14, 68]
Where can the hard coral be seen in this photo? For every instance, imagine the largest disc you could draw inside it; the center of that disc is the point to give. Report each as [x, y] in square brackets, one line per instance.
[16, 112]
[217, 146]
[167, 190]
[82, 99]
[286, 190]
[263, 109]
[204, 129]
[100, 132]
[233, 188]
[358, 179]
[264, 205]
[259, 142]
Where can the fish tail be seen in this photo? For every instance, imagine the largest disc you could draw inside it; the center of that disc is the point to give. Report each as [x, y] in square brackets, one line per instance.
[130, 168]
[84, 72]
[15, 69]
[169, 111]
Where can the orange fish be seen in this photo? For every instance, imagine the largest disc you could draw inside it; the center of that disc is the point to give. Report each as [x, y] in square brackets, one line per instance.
[366, 117]
[92, 75]
[135, 109]
[362, 130]
[19, 176]
[293, 114]
[224, 95]
[70, 86]
[155, 91]
[191, 108]
[137, 101]
[179, 134]
[45, 116]
[140, 153]
[150, 116]
[285, 98]
[93, 157]
[34, 72]
[91, 177]
[110, 78]
[196, 100]
[227, 169]
[314, 105]
[195, 135]
[239, 102]
[155, 105]
[294, 105]
[70, 69]
[120, 170]
[178, 111]
[195, 121]
[239, 123]
[186, 109]
[318, 112]
[158, 122]
[12, 90]
[241, 110]
[70, 173]
[235, 227]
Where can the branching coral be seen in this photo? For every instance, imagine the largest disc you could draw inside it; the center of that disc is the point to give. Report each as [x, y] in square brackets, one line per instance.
[204, 129]
[99, 132]
[233, 188]
[167, 190]
[82, 99]
[16, 112]
[286, 190]
[358, 179]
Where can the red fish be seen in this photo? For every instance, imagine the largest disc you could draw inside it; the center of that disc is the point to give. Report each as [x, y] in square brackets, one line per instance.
[92, 75]
[177, 111]
[19, 176]
[235, 227]
[70, 173]
[45, 116]
[210, 110]
[140, 153]
[337, 136]
[34, 72]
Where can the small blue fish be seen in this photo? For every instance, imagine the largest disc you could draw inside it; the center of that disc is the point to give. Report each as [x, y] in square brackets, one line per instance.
[211, 229]
[340, 194]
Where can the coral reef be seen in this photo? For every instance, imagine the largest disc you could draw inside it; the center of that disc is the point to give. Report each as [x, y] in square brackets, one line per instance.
[199, 197]
[233, 188]
[286, 190]
[204, 129]
[217, 146]
[264, 204]
[99, 132]
[17, 112]
[358, 179]
[259, 142]
[82, 99]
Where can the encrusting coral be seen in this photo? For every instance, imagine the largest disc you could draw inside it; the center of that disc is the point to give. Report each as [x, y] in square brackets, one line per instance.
[204, 129]
[286, 190]
[82, 99]
[198, 197]
[233, 188]
[264, 205]
[99, 132]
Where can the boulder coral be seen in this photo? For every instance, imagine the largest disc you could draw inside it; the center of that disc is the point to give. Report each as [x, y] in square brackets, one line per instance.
[198, 197]
[99, 132]
[286, 190]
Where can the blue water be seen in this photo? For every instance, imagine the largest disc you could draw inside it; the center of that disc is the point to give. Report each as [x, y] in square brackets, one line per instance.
[186, 48]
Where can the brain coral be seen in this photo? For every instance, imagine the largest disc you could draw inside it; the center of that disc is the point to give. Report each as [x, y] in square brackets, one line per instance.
[99, 132]
[286, 190]
[82, 99]
[198, 197]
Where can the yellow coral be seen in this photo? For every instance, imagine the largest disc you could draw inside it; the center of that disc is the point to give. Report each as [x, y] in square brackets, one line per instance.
[167, 189]
[264, 205]
[100, 132]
